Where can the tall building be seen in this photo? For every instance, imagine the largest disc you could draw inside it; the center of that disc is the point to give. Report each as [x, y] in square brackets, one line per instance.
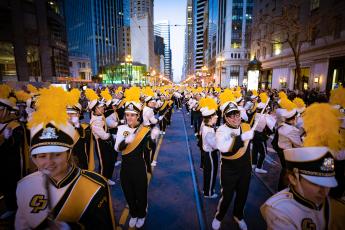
[124, 32]
[92, 30]
[199, 9]
[321, 38]
[233, 41]
[33, 42]
[159, 54]
[141, 32]
[188, 42]
[163, 29]
[211, 45]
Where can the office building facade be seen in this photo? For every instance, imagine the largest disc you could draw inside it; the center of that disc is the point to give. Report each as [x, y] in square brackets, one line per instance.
[188, 61]
[162, 29]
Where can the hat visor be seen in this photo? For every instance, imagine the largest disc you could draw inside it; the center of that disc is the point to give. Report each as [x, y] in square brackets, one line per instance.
[328, 182]
[131, 111]
[48, 149]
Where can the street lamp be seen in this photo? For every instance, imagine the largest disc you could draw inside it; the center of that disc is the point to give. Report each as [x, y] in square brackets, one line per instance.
[128, 61]
[220, 60]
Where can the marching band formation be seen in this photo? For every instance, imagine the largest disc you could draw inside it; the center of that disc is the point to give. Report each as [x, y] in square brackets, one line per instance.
[58, 153]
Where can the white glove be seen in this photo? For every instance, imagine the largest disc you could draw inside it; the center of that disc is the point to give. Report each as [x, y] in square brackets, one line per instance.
[122, 121]
[114, 137]
[129, 138]
[154, 133]
[246, 136]
[7, 133]
[160, 118]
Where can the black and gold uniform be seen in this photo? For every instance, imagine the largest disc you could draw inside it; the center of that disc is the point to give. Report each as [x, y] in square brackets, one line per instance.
[81, 199]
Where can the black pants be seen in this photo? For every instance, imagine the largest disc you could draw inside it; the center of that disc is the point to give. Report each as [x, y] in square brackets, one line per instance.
[153, 147]
[197, 118]
[259, 147]
[233, 180]
[106, 156]
[134, 185]
[163, 124]
[283, 181]
[210, 172]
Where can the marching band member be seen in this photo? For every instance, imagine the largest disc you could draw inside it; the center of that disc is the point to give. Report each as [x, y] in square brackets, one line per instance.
[311, 170]
[11, 150]
[209, 146]
[59, 195]
[101, 137]
[132, 140]
[232, 140]
[265, 125]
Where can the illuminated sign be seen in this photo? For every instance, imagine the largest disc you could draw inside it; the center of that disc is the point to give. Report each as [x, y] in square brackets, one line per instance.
[253, 79]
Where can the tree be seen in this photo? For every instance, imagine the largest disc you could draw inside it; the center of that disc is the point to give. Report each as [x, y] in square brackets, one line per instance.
[291, 27]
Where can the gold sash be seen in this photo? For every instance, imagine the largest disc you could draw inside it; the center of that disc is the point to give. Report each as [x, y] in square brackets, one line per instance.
[78, 200]
[142, 131]
[244, 127]
[163, 106]
[121, 104]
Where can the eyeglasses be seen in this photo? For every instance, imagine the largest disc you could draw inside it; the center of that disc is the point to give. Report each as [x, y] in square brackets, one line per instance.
[233, 116]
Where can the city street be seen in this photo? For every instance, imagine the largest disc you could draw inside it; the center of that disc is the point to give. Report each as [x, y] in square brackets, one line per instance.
[175, 199]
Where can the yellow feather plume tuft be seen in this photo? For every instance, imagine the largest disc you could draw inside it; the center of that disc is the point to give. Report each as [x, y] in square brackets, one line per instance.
[51, 106]
[282, 95]
[255, 92]
[73, 97]
[218, 89]
[199, 90]
[264, 97]
[226, 96]
[22, 95]
[285, 103]
[208, 102]
[32, 89]
[132, 94]
[91, 94]
[118, 90]
[338, 97]
[5, 91]
[237, 94]
[299, 102]
[322, 124]
[147, 91]
[13, 100]
[106, 94]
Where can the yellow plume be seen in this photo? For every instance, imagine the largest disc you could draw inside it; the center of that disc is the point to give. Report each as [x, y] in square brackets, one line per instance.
[32, 89]
[51, 106]
[338, 96]
[73, 97]
[255, 92]
[208, 102]
[147, 91]
[322, 124]
[132, 94]
[106, 94]
[5, 91]
[91, 95]
[263, 96]
[237, 94]
[13, 100]
[282, 95]
[226, 96]
[22, 96]
[299, 102]
[285, 103]
[118, 90]
[218, 89]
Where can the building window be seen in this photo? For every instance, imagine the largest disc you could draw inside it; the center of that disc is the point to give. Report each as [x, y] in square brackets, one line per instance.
[33, 61]
[264, 52]
[7, 61]
[314, 4]
[70, 64]
[234, 75]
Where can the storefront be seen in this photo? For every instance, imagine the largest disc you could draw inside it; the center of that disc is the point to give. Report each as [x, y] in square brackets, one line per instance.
[336, 73]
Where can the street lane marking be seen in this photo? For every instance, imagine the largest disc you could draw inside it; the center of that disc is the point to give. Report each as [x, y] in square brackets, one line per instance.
[195, 186]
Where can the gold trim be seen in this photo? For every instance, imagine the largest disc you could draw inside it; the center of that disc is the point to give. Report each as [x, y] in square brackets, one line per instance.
[142, 131]
[310, 173]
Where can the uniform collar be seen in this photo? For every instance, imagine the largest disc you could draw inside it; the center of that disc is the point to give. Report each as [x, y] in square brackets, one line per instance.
[73, 173]
[303, 201]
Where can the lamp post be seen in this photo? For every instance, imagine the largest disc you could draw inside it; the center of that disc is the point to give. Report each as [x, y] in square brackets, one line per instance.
[220, 60]
[128, 61]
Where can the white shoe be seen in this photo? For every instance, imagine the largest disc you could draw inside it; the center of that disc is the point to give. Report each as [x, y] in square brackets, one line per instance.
[110, 182]
[241, 224]
[195, 134]
[140, 222]
[191, 126]
[253, 166]
[153, 163]
[132, 222]
[163, 133]
[7, 214]
[213, 196]
[257, 170]
[117, 163]
[187, 113]
[216, 224]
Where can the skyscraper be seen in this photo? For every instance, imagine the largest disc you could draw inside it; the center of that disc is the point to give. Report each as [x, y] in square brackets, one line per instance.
[141, 32]
[199, 7]
[163, 29]
[92, 30]
[188, 42]
[233, 40]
